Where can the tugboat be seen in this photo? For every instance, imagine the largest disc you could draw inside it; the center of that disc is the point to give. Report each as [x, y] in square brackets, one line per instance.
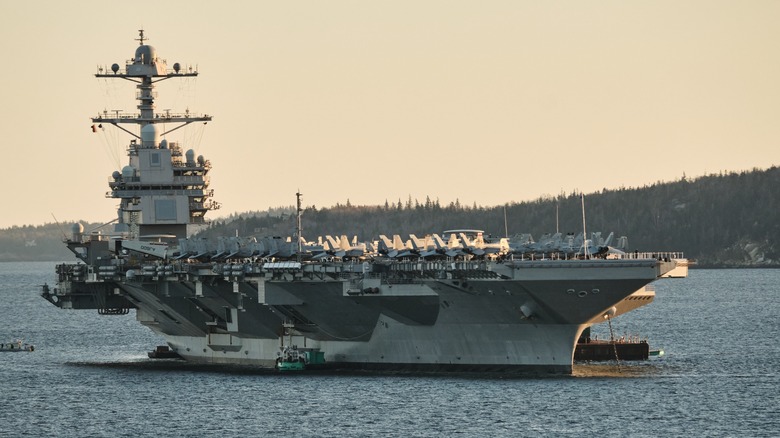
[291, 358]
[15, 347]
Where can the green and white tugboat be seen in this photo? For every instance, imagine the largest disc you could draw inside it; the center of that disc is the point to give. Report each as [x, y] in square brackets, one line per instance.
[292, 358]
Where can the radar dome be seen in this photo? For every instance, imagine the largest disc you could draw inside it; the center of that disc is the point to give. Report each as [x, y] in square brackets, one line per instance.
[201, 160]
[145, 55]
[176, 67]
[149, 136]
[128, 172]
[115, 67]
[164, 144]
[116, 175]
[190, 154]
[76, 231]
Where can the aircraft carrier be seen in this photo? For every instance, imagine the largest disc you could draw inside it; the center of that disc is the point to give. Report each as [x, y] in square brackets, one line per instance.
[456, 302]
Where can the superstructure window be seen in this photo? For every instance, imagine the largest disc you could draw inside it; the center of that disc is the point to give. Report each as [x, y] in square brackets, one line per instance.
[154, 159]
[165, 209]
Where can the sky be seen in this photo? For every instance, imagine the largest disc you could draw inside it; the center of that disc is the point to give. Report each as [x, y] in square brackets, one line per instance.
[367, 101]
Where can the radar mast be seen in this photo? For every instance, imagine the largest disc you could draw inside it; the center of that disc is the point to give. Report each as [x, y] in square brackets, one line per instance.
[161, 190]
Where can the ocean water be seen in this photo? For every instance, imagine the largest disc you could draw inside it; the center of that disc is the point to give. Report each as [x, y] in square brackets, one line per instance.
[89, 376]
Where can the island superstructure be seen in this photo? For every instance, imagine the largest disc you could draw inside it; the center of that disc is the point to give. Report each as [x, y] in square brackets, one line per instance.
[161, 191]
[453, 302]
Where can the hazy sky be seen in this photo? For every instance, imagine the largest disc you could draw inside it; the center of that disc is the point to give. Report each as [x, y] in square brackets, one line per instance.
[486, 102]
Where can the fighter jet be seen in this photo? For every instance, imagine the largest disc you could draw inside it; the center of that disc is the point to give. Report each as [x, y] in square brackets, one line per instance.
[341, 247]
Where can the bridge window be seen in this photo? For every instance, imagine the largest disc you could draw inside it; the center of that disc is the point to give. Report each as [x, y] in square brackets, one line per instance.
[154, 159]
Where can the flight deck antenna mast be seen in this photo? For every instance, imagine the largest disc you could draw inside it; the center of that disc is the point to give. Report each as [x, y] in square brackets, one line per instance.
[298, 227]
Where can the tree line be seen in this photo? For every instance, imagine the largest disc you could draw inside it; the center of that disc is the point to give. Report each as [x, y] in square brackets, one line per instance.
[720, 220]
[725, 219]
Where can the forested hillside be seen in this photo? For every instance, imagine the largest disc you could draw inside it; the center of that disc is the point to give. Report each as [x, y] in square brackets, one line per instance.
[37, 243]
[720, 220]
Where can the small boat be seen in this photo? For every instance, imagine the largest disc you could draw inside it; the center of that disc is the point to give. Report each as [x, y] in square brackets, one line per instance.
[14, 347]
[290, 359]
[163, 352]
[656, 353]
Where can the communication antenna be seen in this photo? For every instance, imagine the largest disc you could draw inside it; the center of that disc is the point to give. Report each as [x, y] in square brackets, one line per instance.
[584, 233]
[101, 226]
[141, 37]
[506, 227]
[298, 228]
[64, 236]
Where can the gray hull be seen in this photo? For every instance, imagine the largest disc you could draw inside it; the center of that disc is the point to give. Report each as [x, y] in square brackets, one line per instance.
[512, 315]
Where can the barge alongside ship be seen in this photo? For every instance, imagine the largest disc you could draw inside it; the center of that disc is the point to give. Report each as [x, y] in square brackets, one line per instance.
[453, 303]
